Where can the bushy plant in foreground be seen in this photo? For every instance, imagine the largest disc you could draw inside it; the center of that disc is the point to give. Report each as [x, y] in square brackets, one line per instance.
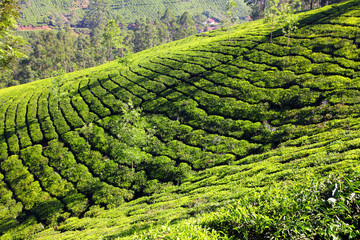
[317, 209]
[326, 209]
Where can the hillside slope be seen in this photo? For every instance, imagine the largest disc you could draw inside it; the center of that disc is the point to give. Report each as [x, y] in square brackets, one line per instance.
[33, 12]
[223, 120]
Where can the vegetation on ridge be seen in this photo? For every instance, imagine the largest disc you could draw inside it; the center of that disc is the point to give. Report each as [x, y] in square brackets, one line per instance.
[37, 12]
[62, 49]
[227, 132]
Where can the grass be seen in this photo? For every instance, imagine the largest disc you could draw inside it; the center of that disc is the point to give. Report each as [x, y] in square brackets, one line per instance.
[244, 140]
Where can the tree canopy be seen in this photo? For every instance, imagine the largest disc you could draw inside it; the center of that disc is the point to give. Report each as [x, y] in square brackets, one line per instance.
[9, 43]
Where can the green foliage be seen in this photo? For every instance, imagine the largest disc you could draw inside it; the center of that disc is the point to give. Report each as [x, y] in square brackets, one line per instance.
[34, 128]
[188, 230]
[10, 44]
[287, 17]
[61, 50]
[271, 14]
[133, 135]
[321, 209]
[229, 14]
[218, 139]
[29, 191]
[112, 38]
[35, 13]
[164, 169]
[97, 13]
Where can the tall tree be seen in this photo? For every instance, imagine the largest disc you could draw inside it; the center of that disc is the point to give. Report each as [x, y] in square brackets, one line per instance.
[257, 8]
[230, 7]
[187, 25]
[112, 38]
[139, 38]
[96, 37]
[271, 14]
[162, 32]
[97, 14]
[170, 21]
[288, 17]
[9, 43]
[82, 55]
[66, 43]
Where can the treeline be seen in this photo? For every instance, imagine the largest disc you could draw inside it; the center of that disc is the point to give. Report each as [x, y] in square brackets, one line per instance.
[102, 36]
[103, 40]
[258, 7]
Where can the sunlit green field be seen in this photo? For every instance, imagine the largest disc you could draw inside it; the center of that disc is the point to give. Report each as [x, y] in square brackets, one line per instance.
[239, 139]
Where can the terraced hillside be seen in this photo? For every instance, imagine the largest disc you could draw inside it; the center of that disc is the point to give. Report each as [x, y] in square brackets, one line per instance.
[34, 11]
[227, 128]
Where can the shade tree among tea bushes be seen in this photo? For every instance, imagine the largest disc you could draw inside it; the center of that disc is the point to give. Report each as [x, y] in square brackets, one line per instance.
[231, 5]
[271, 14]
[132, 130]
[124, 141]
[288, 17]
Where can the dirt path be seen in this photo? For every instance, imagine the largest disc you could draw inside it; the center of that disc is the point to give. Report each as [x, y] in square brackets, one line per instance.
[32, 28]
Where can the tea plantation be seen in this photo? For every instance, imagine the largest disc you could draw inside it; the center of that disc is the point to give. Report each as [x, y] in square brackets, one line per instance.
[203, 138]
[33, 12]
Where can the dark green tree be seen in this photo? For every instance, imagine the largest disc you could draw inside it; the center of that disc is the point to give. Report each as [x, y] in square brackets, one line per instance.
[97, 49]
[83, 54]
[186, 25]
[97, 13]
[66, 44]
[10, 44]
[257, 8]
[162, 32]
[112, 38]
[145, 35]
[169, 20]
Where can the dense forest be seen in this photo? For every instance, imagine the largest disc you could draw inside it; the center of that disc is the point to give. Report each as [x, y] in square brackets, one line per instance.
[63, 50]
[250, 131]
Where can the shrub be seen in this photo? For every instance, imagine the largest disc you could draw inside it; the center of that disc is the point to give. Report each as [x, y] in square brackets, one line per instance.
[324, 209]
